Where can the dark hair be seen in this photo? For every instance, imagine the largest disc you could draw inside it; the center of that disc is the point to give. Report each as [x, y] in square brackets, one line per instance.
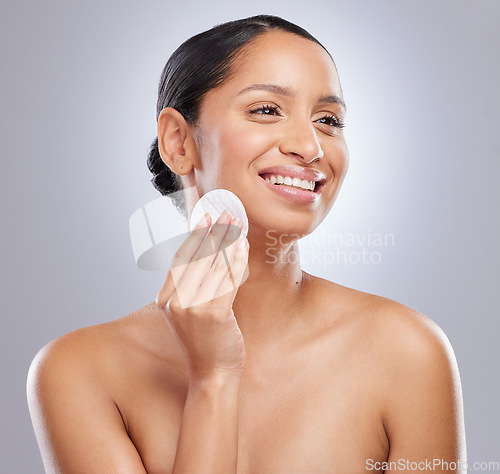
[198, 65]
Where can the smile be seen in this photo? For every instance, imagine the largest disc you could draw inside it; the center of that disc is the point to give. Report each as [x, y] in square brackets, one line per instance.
[289, 181]
[290, 188]
[293, 183]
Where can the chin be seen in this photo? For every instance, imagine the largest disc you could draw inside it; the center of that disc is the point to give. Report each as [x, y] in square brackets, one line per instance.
[286, 231]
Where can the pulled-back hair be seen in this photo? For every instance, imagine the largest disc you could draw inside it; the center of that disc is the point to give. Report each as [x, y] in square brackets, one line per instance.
[198, 65]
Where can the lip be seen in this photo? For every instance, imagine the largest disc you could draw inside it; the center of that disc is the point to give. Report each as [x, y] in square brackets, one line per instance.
[297, 195]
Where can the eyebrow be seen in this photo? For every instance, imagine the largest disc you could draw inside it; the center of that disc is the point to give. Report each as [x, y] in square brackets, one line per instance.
[285, 91]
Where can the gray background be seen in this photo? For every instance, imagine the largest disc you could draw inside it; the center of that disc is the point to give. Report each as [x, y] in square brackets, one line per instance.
[78, 93]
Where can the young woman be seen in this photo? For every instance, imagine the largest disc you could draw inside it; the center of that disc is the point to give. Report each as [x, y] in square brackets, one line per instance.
[288, 373]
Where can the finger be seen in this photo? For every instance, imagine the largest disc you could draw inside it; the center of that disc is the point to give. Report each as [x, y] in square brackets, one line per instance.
[229, 281]
[218, 273]
[226, 292]
[217, 236]
[203, 276]
[184, 254]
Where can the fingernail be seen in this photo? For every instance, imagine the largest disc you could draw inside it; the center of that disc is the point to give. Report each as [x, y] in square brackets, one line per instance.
[224, 218]
[237, 222]
[204, 220]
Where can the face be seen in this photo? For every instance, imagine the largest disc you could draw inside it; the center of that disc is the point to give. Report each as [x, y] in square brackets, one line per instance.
[278, 115]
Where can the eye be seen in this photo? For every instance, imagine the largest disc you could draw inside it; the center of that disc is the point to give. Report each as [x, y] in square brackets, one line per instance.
[266, 110]
[331, 121]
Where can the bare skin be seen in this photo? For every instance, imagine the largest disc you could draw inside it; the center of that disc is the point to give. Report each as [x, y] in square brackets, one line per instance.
[300, 374]
[342, 394]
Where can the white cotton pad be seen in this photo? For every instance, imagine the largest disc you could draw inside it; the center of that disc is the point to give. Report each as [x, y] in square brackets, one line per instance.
[215, 202]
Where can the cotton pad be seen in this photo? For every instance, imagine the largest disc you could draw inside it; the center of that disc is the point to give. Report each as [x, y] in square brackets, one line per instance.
[215, 202]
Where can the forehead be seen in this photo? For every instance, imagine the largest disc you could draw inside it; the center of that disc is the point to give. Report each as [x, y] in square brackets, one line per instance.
[286, 59]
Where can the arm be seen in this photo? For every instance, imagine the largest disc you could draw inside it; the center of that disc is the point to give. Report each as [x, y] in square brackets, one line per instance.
[197, 306]
[79, 428]
[77, 425]
[208, 440]
[424, 412]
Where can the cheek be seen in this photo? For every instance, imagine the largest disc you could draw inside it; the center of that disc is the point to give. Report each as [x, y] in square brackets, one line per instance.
[243, 142]
[230, 149]
[339, 154]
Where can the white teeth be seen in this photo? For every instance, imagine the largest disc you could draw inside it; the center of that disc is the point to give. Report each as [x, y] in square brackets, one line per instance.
[289, 181]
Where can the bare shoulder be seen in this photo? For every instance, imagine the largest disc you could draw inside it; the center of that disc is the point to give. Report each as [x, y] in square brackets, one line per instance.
[408, 335]
[406, 347]
[74, 362]
[74, 385]
[100, 363]
[401, 331]
[99, 350]
[422, 380]
[82, 346]
[412, 370]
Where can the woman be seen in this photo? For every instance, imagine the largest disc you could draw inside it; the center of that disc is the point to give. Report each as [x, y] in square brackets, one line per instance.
[288, 373]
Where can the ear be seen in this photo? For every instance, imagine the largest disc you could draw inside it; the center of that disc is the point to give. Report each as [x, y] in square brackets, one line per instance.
[175, 141]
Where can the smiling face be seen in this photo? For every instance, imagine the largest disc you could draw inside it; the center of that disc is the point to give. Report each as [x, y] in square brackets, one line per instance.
[279, 113]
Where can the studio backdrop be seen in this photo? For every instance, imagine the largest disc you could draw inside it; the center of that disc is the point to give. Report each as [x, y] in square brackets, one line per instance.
[416, 220]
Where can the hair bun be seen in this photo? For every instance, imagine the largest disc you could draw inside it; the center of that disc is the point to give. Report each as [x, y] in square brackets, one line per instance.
[164, 179]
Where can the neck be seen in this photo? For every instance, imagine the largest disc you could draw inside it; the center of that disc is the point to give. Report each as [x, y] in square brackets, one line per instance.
[266, 302]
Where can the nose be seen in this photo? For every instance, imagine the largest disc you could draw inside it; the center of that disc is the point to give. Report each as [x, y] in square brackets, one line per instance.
[301, 141]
